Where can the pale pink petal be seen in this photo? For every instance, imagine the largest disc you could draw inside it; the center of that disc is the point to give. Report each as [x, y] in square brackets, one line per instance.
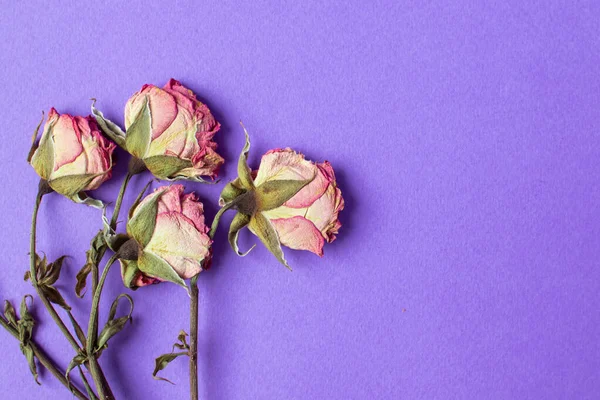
[177, 241]
[67, 141]
[194, 211]
[170, 201]
[324, 212]
[163, 110]
[300, 234]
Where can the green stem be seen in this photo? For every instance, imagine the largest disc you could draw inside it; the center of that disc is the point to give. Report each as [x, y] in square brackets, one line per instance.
[42, 190]
[33, 277]
[45, 361]
[194, 339]
[95, 271]
[103, 390]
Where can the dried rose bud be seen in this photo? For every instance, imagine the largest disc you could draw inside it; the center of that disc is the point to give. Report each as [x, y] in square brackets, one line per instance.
[72, 156]
[170, 239]
[170, 131]
[289, 201]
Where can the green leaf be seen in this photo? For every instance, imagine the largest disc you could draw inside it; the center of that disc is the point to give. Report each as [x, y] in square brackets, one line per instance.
[162, 362]
[29, 355]
[154, 266]
[137, 136]
[273, 194]
[244, 172]
[166, 167]
[114, 326]
[239, 222]
[34, 142]
[71, 185]
[143, 220]
[262, 228]
[109, 128]
[10, 313]
[54, 296]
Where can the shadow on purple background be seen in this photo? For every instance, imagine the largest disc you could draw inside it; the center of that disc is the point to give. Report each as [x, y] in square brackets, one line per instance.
[465, 138]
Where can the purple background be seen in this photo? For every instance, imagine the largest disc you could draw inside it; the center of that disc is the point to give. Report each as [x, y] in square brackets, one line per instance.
[466, 142]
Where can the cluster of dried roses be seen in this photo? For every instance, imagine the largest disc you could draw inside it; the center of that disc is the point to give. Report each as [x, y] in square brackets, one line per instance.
[288, 201]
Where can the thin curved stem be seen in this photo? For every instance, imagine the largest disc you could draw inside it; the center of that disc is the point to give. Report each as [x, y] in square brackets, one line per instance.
[33, 277]
[46, 362]
[103, 391]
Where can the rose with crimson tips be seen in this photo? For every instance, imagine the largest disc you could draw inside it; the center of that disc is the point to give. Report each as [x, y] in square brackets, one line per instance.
[170, 131]
[289, 201]
[72, 156]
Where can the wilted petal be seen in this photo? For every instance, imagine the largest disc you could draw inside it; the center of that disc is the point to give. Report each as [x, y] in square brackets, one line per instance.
[300, 234]
[178, 242]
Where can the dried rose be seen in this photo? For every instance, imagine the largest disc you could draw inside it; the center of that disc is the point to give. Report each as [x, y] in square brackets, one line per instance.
[72, 156]
[170, 131]
[169, 238]
[289, 201]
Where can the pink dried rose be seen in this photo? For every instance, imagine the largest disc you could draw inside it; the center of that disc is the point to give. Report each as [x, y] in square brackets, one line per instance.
[289, 201]
[72, 156]
[170, 130]
[170, 237]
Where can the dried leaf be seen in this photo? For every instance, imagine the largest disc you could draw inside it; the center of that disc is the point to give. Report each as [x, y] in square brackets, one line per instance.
[81, 279]
[53, 271]
[162, 362]
[29, 355]
[114, 326]
[10, 313]
[54, 296]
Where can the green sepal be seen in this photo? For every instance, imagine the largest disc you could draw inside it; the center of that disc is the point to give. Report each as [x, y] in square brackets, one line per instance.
[129, 272]
[231, 191]
[244, 172]
[166, 167]
[273, 194]
[239, 222]
[142, 222]
[137, 138]
[44, 154]
[261, 227]
[71, 185]
[34, 142]
[109, 128]
[154, 266]
[138, 199]
[83, 198]
[114, 325]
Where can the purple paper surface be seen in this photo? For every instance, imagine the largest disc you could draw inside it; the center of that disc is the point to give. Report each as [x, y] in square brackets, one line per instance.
[465, 138]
